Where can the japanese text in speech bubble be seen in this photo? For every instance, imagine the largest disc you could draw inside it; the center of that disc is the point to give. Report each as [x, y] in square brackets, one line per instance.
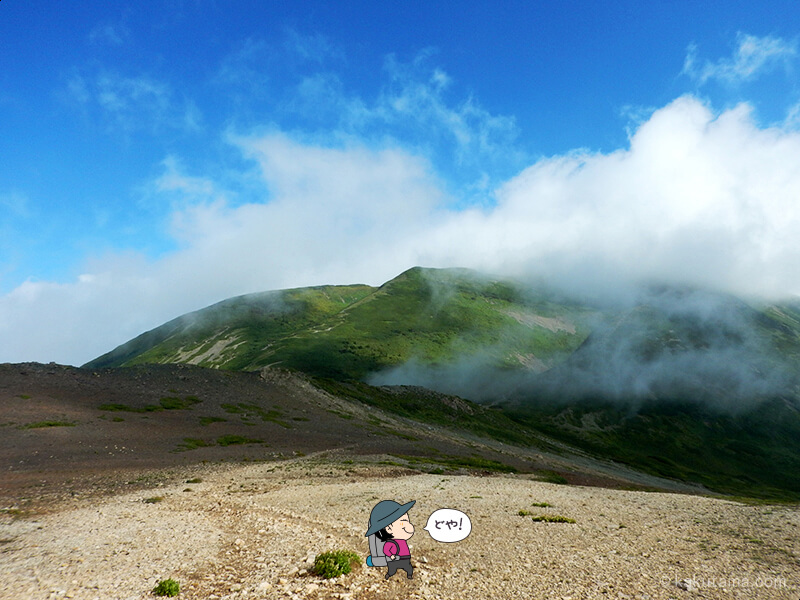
[448, 525]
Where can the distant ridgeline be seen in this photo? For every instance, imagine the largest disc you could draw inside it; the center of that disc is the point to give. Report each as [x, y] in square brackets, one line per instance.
[679, 382]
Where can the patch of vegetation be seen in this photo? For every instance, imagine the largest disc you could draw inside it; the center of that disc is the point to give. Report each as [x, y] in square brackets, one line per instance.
[246, 410]
[335, 563]
[552, 477]
[117, 407]
[167, 587]
[175, 403]
[194, 480]
[24, 397]
[753, 454]
[552, 519]
[193, 444]
[400, 434]
[42, 424]
[524, 513]
[425, 405]
[453, 463]
[205, 421]
[231, 439]
[340, 414]
[542, 504]
[165, 403]
[153, 500]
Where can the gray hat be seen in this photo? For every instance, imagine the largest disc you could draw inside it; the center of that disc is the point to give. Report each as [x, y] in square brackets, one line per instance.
[385, 513]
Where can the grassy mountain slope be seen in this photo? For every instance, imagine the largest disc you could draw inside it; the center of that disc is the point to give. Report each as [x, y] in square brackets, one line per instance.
[350, 331]
[678, 382]
[755, 453]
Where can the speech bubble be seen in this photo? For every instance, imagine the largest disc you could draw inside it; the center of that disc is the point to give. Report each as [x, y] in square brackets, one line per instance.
[448, 525]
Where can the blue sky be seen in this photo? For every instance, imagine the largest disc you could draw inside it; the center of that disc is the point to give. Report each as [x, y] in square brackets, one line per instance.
[158, 157]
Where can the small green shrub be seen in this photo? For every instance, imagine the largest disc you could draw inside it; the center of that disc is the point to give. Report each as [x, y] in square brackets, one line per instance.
[542, 504]
[192, 444]
[335, 563]
[230, 440]
[116, 407]
[153, 500]
[167, 587]
[194, 480]
[524, 513]
[552, 477]
[175, 403]
[42, 424]
[553, 519]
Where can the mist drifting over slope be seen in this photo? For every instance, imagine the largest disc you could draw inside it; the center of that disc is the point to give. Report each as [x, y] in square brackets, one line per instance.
[652, 343]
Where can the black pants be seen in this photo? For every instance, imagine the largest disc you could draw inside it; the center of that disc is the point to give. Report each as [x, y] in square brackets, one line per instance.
[401, 563]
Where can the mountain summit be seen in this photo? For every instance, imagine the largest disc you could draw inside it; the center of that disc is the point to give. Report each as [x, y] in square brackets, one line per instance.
[678, 382]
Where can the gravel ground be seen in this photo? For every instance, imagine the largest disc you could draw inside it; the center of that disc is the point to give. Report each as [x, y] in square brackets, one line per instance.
[252, 531]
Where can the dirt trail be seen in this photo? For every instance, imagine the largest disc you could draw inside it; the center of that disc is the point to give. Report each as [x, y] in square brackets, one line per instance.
[247, 532]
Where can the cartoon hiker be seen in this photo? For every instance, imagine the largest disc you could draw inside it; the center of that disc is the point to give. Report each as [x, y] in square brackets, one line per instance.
[388, 533]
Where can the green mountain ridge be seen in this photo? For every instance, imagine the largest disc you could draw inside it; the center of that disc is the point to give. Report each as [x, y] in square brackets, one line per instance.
[677, 382]
[350, 331]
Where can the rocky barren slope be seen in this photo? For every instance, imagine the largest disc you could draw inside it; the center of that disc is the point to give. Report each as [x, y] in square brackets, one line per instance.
[247, 532]
[231, 483]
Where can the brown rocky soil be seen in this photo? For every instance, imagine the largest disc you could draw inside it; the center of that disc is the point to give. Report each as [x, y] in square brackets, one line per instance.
[247, 532]
[107, 507]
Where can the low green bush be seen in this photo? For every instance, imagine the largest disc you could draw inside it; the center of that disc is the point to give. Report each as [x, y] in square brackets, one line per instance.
[552, 477]
[553, 519]
[175, 403]
[42, 424]
[231, 440]
[335, 563]
[167, 587]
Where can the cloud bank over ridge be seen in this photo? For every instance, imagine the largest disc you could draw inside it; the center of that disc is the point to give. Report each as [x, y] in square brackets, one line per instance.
[699, 197]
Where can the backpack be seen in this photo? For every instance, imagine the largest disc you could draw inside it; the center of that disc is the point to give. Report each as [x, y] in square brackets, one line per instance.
[376, 556]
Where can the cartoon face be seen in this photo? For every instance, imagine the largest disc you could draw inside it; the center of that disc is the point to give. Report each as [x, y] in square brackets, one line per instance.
[402, 529]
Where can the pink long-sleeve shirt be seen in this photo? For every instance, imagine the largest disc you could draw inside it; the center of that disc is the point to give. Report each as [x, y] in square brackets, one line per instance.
[398, 547]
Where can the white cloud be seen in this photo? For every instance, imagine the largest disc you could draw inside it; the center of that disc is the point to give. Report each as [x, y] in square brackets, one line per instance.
[106, 33]
[315, 48]
[698, 197]
[14, 204]
[419, 110]
[174, 180]
[792, 120]
[128, 104]
[752, 57]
